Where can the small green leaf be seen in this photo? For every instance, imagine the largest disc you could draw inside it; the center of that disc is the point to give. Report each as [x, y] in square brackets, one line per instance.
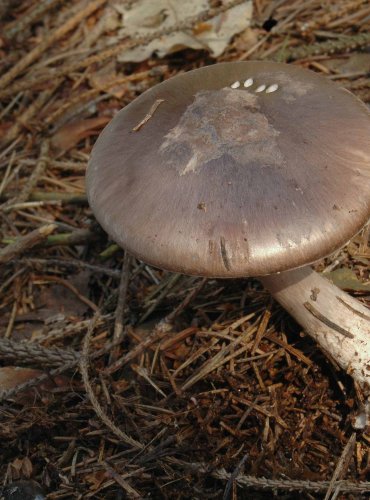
[347, 280]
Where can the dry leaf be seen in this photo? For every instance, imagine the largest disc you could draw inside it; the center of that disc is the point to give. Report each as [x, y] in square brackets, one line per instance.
[102, 79]
[11, 376]
[71, 134]
[96, 479]
[354, 63]
[346, 279]
[21, 468]
[144, 17]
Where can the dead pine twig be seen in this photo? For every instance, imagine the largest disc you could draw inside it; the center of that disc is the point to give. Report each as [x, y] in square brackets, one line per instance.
[187, 300]
[157, 334]
[24, 243]
[222, 357]
[288, 484]
[149, 115]
[341, 468]
[122, 295]
[78, 237]
[48, 358]
[73, 289]
[8, 394]
[170, 283]
[70, 264]
[231, 482]
[84, 369]
[26, 352]
[121, 481]
[29, 17]
[32, 181]
[344, 44]
[89, 94]
[30, 112]
[262, 328]
[56, 35]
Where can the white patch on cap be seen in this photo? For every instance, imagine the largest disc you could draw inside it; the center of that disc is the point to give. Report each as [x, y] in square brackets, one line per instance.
[272, 88]
[248, 83]
[235, 85]
[261, 88]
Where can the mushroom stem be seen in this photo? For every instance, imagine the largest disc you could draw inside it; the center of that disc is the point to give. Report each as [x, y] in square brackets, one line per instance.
[338, 322]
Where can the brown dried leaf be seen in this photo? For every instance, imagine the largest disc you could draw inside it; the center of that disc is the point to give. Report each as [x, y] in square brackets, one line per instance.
[96, 479]
[71, 134]
[12, 376]
[144, 17]
[21, 468]
[103, 78]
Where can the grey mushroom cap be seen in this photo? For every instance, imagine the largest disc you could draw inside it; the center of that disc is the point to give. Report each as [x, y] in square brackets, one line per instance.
[235, 169]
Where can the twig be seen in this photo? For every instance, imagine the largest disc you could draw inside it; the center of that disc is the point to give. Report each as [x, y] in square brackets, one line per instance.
[287, 484]
[70, 263]
[78, 237]
[37, 380]
[262, 328]
[56, 35]
[329, 47]
[62, 331]
[153, 337]
[287, 347]
[149, 115]
[70, 166]
[72, 288]
[89, 94]
[122, 295]
[24, 243]
[64, 198]
[26, 352]
[232, 478]
[172, 280]
[57, 371]
[131, 492]
[29, 113]
[11, 321]
[32, 352]
[187, 300]
[29, 17]
[32, 181]
[7, 177]
[341, 468]
[84, 368]
[219, 359]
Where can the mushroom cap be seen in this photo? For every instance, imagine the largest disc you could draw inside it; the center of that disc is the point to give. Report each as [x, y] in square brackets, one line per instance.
[234, 169]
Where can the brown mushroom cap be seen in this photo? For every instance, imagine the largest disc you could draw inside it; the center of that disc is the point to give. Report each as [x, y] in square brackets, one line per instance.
[244, 169]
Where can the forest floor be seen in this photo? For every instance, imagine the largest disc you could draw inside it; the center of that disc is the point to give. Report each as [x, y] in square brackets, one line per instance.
[98, 400]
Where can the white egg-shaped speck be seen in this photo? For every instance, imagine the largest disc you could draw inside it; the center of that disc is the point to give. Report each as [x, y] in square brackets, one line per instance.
[272, 88]
[248, 83]
[261, 88]
[235, 85]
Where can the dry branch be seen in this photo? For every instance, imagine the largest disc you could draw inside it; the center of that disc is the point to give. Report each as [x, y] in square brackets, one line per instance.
[24, 243]
[56, 35]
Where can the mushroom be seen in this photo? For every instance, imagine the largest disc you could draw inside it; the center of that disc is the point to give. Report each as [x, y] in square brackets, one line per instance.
[245, 169]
